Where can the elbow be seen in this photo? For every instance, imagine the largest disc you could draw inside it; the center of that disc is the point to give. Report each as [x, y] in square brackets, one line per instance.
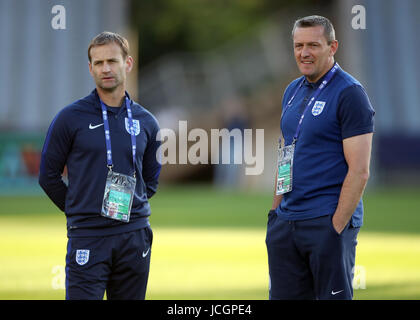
[151, 188]
[43, 176]
[364, 177]
[151, 191]
[45, 182]
[362, 174]
[367, 175]
[42, 180]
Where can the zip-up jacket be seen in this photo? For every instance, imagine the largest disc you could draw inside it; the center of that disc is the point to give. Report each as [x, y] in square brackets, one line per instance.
[76, 140]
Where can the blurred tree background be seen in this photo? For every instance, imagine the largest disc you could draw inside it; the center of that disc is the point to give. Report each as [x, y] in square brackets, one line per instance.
[200, 25]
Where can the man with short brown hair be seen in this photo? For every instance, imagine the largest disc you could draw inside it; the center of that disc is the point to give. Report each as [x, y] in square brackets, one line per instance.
[108, 143]
[108, 37]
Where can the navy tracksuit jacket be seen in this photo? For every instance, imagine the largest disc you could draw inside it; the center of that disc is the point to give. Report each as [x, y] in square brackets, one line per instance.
[76, 139]
[102, 254]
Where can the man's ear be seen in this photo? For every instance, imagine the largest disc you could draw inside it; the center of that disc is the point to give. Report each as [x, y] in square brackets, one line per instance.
[129, 63]
[90, 68]
[333, 47]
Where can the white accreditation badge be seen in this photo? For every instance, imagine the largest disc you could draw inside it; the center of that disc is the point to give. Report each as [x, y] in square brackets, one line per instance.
[118, 196]
[284, 169]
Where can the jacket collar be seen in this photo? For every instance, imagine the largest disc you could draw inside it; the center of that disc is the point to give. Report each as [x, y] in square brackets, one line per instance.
[94, 98]
[315, 85]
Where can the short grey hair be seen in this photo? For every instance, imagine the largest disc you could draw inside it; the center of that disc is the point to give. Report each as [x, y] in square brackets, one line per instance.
[313, 21]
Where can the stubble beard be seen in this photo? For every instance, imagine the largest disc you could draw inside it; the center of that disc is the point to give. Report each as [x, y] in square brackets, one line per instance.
[109, 88]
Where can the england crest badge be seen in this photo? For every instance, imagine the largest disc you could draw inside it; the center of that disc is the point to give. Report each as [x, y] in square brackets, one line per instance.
[318, 107]
[82, 256]
[136, 126]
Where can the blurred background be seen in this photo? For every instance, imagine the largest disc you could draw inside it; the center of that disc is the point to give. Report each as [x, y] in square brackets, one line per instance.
[215, 64]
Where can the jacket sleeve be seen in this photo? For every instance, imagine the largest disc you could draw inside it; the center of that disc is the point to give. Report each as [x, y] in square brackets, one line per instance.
[151, 160]
[53, 159]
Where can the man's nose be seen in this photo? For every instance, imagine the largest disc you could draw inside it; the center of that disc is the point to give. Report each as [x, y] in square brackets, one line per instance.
[106, 68]
[305, 51]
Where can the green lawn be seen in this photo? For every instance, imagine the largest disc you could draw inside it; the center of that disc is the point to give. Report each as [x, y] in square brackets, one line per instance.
[209, 244]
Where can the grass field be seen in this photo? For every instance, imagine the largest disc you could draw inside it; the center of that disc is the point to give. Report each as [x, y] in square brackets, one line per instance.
[210, 244]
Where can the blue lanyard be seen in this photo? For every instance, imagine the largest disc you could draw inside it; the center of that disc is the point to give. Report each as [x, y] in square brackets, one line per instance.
[108, 137]
[323, 84]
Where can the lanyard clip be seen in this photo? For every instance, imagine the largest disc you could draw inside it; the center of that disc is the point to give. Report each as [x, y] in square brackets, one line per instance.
[110, 167]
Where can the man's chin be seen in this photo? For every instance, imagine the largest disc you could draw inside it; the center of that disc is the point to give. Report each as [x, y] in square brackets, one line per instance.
[108, 88]
[310, 76]
[307, 72]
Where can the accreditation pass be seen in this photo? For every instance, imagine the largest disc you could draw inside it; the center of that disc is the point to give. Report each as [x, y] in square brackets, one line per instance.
[285, 169]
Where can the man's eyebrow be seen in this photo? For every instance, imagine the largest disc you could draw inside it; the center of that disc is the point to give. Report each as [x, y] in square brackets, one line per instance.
[303, 42]
[102, 60]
